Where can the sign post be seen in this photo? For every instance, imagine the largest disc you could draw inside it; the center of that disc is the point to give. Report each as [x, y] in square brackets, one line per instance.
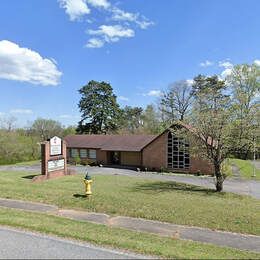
[54, 157]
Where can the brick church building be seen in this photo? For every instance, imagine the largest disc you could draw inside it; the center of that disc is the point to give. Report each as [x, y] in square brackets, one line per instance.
[154, 152]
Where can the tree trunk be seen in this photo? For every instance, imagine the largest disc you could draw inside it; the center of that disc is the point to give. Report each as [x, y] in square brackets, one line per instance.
[182, 117]
[219, 184]
[219, 178]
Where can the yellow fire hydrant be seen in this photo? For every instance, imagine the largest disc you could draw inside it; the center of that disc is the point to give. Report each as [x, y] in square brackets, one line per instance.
[88, 183]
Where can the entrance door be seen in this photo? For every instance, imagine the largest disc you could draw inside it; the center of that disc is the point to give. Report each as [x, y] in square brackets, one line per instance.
[115, 158]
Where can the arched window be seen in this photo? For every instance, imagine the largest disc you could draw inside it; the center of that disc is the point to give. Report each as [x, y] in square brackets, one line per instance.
[178, 153]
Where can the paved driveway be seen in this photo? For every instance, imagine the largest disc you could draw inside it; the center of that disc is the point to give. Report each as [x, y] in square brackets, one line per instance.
[32, 168]
[256, 163]
[244, 187]
[17, 244]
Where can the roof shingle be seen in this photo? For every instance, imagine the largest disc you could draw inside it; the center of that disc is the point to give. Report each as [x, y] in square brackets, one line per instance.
[131, 143]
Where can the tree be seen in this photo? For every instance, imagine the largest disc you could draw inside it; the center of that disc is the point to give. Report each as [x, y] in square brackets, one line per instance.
[132, 119]
[31, 143]
[46, 128]
[70, 130]
[151, 122]
[245, 83]
[211, 117]
[8, 123]
[99, 109]
[16, 146]
[176, 101]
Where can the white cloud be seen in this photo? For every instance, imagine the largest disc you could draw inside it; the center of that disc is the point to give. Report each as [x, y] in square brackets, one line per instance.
[112, 33]
[154, 93]
[76, 9]
[141, 21]
[22, 64]
[257, 62]
[225, 64]
[120, 15]
[190, 82]
[99, 3]
[95, 43]
[225, 73]
[228, 67]
[206, 63]
[90, 21]
[21, 111]
[145, 24]
[123, 98]
[2, 114]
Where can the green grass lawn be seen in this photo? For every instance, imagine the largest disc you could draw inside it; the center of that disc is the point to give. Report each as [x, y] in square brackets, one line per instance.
[28, 163]
[245, 168]
[226, 167]
[136, 197]
[118, 238]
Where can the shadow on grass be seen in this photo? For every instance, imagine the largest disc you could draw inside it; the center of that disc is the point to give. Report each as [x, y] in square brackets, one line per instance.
[79, 196]
[30, 177]
[172, 186]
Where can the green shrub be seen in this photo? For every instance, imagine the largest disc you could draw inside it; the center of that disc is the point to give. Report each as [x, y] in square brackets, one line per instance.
[77, 160]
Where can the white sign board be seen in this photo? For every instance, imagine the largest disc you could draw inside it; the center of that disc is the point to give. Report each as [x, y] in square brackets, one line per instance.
[55, 165]
[55, 146]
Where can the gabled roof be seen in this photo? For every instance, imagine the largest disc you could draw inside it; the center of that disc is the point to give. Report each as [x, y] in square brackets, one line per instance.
[188, 128]
[131, 143]
[209, 140]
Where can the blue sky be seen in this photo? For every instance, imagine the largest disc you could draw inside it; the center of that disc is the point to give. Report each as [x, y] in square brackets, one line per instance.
[50, 48]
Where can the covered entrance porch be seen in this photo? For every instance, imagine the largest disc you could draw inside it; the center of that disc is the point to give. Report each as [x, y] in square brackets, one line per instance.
[123, 158]
[114, 158]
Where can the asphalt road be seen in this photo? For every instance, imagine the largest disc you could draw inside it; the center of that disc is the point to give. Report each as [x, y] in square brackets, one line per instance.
[17, 244]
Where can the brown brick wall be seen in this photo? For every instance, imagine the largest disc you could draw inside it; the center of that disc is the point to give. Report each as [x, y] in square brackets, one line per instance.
[201, 165]
[131, 158]
[102, 157]
[154, 155]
